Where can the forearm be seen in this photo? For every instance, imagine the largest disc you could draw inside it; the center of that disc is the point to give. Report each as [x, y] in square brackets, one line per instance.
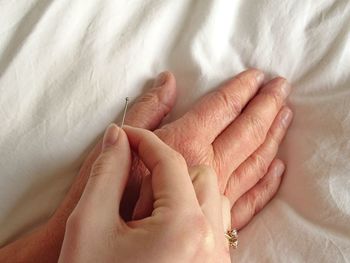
[38, 246]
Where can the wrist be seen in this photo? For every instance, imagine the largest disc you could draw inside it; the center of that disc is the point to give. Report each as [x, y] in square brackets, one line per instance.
[37, 246]
[53, 235]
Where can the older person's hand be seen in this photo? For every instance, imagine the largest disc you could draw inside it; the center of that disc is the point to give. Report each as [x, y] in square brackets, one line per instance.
[247, 142]
[237, 132]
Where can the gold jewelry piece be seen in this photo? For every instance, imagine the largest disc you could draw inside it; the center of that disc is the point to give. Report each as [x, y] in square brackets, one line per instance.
[232, 237]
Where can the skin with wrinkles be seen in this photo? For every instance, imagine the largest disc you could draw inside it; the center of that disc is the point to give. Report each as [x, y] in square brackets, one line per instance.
[240, 144]
[220, 131]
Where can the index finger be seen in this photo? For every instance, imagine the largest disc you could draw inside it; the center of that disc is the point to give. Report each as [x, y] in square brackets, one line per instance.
[216, 110]
[170, 177]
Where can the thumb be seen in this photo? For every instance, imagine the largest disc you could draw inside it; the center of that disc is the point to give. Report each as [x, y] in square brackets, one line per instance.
[109, 174]
[151, 108]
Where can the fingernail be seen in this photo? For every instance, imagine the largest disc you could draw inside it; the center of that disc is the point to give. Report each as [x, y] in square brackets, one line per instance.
[286, 117]
[111, 135]
[279, 169]
[160, 80]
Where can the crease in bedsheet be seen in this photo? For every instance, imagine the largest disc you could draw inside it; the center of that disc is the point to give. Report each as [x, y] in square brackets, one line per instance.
[335, 52]
[321, 218]
[306, 229]
[340, 251]
[23, 30]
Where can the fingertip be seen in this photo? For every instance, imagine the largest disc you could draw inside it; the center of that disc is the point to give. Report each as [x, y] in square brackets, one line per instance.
[277, 168]
[166, 89]
[286, 116]
[111, 135]
[139, 136]
[254, 73]
[258, 196]
[130, 130]
[279, 84]
[259, 75]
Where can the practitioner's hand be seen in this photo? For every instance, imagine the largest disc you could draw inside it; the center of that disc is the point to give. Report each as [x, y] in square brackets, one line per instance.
[237, 131]
[186, 223]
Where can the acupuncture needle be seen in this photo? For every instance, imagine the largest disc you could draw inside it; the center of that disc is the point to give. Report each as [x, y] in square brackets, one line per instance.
[125, 109]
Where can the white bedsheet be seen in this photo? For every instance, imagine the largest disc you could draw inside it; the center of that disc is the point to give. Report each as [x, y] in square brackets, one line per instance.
[66, 65]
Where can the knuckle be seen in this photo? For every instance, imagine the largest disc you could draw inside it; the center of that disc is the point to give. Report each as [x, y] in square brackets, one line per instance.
[149, 97]
[145, 106]
[275, 94]
[101, 164]
[274, 137]
[236, 105]
[255, 127]
[230, 101]
[275, 98]
[152, 102]
[259, 204]
[231, 185]
[256, 200]
[251, 203]
[280, 81]
[232, 182]
[260, 164]
[182, 147]
[248, 80]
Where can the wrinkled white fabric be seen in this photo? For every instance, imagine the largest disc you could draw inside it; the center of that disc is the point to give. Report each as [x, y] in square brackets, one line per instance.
[65, 67]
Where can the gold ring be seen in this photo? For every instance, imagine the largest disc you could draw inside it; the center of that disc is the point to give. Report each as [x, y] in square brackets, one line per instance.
[232, 237]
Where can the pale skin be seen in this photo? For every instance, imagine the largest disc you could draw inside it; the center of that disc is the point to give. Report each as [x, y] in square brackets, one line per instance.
[186, 223]
[236, 129]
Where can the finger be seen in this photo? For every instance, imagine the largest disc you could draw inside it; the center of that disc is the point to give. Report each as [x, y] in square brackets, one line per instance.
[256, 198]
[109, 174]
[249, 130]
[226, 219]
[147, 112]
[144, 205]
[256, 166]
[171, 183]
[205, 184]
[215, 111]
[226, 212]
[150, 109]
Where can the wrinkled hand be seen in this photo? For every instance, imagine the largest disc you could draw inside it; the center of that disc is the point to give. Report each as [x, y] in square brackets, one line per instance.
[237, 134]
